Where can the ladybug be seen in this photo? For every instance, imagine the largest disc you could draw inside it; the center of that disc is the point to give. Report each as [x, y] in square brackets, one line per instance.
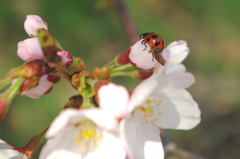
[156, 43]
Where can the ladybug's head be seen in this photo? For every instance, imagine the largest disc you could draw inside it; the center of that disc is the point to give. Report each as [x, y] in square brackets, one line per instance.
[143, 35]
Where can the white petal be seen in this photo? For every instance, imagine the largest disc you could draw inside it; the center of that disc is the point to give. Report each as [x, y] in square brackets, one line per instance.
[109, 149]
[142, 140]
[176, 52]
[62, 146]
[142, 58]
[143, 90]
[73, 116]
[128, 133]
[177, 76]
[4, 145]
[113, 99]
[6, 152]
[177, 110]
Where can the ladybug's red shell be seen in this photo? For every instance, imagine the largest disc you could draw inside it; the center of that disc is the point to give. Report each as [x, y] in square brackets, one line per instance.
[156, 43]
[155, 40]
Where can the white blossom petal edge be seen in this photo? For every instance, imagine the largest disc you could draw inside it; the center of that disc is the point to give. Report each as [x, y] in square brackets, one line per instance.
[6, 151]
[83, 134]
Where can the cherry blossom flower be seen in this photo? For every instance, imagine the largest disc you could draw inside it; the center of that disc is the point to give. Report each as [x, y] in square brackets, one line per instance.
[6, 151]
[85, 133]
[174, 53]
[33, 23]
[159, 101]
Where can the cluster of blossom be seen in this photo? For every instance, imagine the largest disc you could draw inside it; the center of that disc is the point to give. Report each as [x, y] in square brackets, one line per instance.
[105, 120]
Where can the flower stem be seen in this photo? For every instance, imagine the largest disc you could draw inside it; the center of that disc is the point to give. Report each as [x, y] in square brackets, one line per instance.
[111, 64]
[118, 73]
[14, 89]
[86, 99]
[4, 82]
[124, 67]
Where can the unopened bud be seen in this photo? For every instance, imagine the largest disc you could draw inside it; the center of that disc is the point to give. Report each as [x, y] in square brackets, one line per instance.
[14, 73]
[103, 73]
[74, 102]
[78, 65]
[27, 85]
[142, 74]
[33, 23]
[67, 58]
[34, 68]
[123, 58]
[3, 106]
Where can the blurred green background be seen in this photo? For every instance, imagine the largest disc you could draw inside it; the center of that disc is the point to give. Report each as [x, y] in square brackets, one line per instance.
[95, 34]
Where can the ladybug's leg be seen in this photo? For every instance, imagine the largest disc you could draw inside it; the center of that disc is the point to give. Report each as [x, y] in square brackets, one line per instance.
[144, 43]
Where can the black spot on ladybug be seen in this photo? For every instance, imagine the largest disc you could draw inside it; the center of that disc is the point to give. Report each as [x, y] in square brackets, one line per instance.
[157, 43]
[154, 36]
[148, 39]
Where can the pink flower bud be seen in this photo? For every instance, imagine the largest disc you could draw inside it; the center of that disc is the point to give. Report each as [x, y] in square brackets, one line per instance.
[30, 49]
[66, 57]
[43, 86]
[3, 106]
[176, 52]
[33, 23]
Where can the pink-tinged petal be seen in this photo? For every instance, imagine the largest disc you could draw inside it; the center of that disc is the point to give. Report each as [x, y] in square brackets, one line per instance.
[140, 57]
[66, 57]
[62, 146]
[175, 109]
[113, 99]
[176, 52]
[33, 23]
[43, 86]
[142, 141]
[30, 49]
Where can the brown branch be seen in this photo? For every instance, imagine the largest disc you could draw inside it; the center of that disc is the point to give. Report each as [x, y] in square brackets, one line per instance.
[127, 21]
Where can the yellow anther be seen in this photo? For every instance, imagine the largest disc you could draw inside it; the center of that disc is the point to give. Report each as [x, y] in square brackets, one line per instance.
[160, 101]
[97, 137]
[78, 139]
[150, 115]
[148, 101]
[91, 132]
[83, 149]
[145, 115]
[146, 122]
[92, 142]
[158, 104]
[87, 133]
[92, 149]
[153, 120]
[154, 100]
[159, 113]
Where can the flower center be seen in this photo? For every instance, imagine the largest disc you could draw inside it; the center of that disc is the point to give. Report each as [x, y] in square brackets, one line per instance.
[89, 136]
[146, 110]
